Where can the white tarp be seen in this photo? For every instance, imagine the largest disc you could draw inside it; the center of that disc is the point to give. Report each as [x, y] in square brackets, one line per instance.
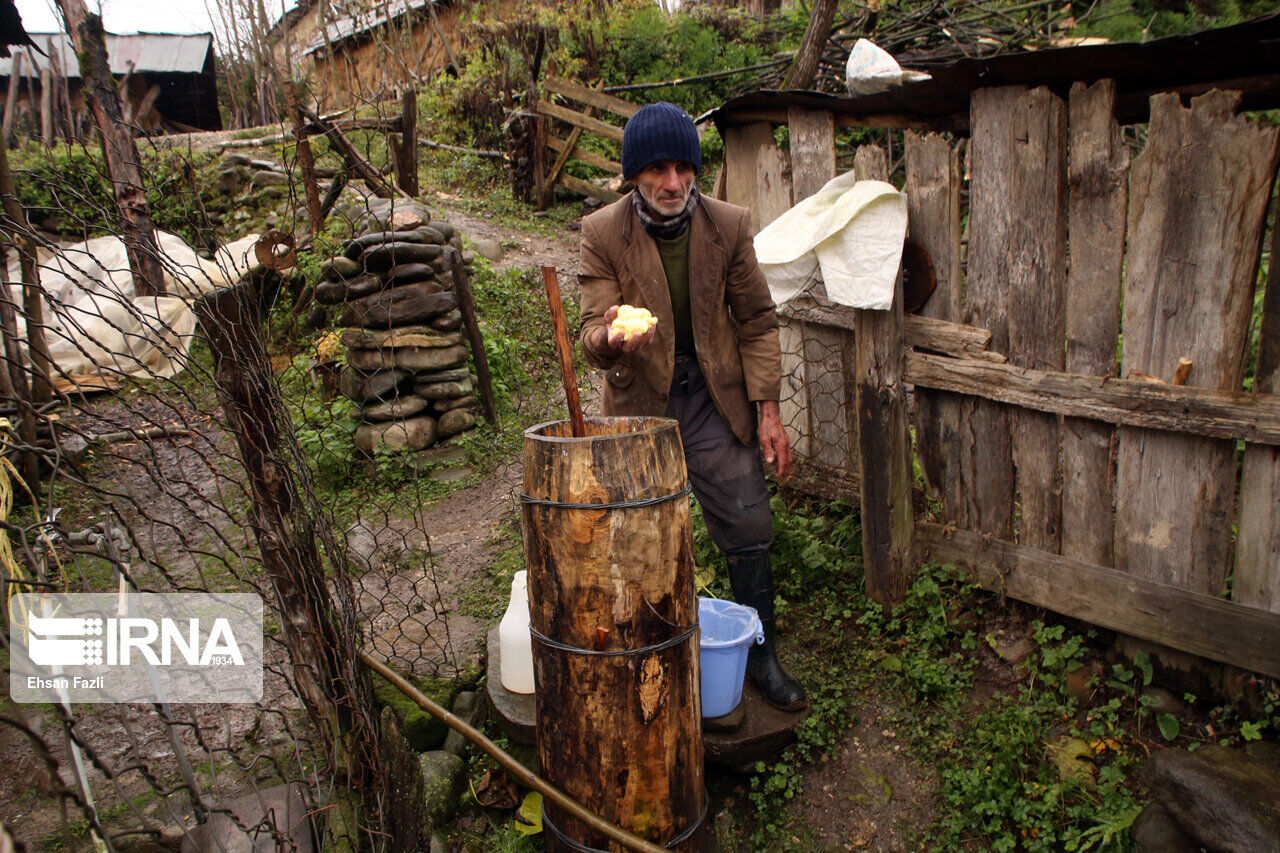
[95, 325]
[848, 235]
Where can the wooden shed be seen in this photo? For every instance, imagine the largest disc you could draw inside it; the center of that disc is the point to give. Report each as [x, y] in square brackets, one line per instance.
[1094, 398]
[171, 78]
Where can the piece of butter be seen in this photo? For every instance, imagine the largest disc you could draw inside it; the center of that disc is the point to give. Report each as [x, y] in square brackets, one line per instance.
[632, 321]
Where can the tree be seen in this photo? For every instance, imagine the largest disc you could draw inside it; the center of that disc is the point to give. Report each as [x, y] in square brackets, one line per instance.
[118, 147]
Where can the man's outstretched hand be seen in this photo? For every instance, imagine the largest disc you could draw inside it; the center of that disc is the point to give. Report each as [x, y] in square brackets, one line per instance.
[774, 443]
[610, 343]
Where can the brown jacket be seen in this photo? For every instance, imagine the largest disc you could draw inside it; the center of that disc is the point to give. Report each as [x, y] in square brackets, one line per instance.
[735, 327]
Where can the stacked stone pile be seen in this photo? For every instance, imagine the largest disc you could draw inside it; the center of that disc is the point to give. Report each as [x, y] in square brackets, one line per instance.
[407, 358]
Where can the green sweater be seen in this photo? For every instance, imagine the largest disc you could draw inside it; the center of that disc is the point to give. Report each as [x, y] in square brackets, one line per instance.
[675, 263]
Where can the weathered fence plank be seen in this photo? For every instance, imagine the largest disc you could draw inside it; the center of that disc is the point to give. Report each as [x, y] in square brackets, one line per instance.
[1197, 206]
[1099, 193]
[1128, 402]
[578, 92]
[813, 151]
[591, 125]
[813, 163]
[589, 157]
[883, 437]
[1037, 270]
[1256, 581]
[933, 211]
[754, 170]
[986, 448]
[1193, 622]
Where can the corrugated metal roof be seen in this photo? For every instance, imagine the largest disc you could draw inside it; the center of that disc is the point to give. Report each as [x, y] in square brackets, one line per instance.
[156, 52]
[353, 25]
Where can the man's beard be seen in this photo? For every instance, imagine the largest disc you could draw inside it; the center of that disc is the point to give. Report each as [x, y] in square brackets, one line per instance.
[671, 202]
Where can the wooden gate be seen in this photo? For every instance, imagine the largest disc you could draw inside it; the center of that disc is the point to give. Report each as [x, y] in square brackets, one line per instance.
[1081, 415]
[563, 148]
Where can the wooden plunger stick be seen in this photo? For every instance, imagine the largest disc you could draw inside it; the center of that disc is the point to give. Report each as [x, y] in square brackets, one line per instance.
[561, 328]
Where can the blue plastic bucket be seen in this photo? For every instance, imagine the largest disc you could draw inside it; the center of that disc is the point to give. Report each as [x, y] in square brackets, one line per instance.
[728, 632]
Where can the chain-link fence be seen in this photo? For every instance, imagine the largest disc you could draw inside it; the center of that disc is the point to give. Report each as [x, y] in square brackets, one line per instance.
[314, 430]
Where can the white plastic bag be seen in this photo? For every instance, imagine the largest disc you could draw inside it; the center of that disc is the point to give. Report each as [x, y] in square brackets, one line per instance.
[849, 234]
[871, 69]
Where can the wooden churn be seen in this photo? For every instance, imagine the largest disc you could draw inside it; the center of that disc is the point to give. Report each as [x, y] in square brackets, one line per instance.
[613, 611]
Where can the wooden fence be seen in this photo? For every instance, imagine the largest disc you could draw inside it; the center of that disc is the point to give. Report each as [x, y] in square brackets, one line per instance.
[564, 148]
[1080, 412]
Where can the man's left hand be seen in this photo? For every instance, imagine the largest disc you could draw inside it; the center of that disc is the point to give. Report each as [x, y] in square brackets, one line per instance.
[774, 443]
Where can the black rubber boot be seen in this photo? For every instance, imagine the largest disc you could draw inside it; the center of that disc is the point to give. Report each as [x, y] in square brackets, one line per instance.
[752, 583]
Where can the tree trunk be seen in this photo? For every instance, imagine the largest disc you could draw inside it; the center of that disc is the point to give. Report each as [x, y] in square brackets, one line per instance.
[118, 147]
[322, 639]
[805, 66]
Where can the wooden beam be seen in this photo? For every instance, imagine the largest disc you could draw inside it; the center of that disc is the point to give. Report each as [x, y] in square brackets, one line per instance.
[955, 339]
[1189, 621]
[904, 121]
[385, 125]
[406, 153]
[1126, 402]
[588, 189]
[591, 125]
[591, 158]
[578, 92]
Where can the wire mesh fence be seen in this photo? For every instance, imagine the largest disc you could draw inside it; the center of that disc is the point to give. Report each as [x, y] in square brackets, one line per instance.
[291, 431]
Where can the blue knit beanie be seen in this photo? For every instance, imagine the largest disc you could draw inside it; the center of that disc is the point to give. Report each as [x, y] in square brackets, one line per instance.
[660, 131]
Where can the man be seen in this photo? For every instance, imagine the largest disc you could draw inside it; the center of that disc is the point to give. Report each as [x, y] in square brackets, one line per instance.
[712, 362]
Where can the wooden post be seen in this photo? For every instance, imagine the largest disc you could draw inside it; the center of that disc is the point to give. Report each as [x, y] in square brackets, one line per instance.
[564, 350]
[18, 380]
[119, 149]
[884, 440]
[11, 98]
[933, 213]
[46, 106]
[471, 322]
[1099, 193]
[406, 153]
[321, 638]
[612, 607]
[32, 295]
[306, 161]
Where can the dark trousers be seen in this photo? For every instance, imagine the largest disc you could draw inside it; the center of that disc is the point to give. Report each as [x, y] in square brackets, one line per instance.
[727, 476]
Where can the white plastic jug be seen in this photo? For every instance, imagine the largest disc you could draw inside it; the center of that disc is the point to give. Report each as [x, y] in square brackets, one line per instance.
[516, 667]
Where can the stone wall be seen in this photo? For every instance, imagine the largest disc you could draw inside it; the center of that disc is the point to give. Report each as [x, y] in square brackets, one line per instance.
[408, 364]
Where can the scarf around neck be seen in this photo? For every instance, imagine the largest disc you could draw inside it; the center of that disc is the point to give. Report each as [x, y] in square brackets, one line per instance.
[666, 228]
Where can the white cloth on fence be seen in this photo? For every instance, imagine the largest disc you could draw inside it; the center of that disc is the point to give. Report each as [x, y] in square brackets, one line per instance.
[95, 324]
[849, 235]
